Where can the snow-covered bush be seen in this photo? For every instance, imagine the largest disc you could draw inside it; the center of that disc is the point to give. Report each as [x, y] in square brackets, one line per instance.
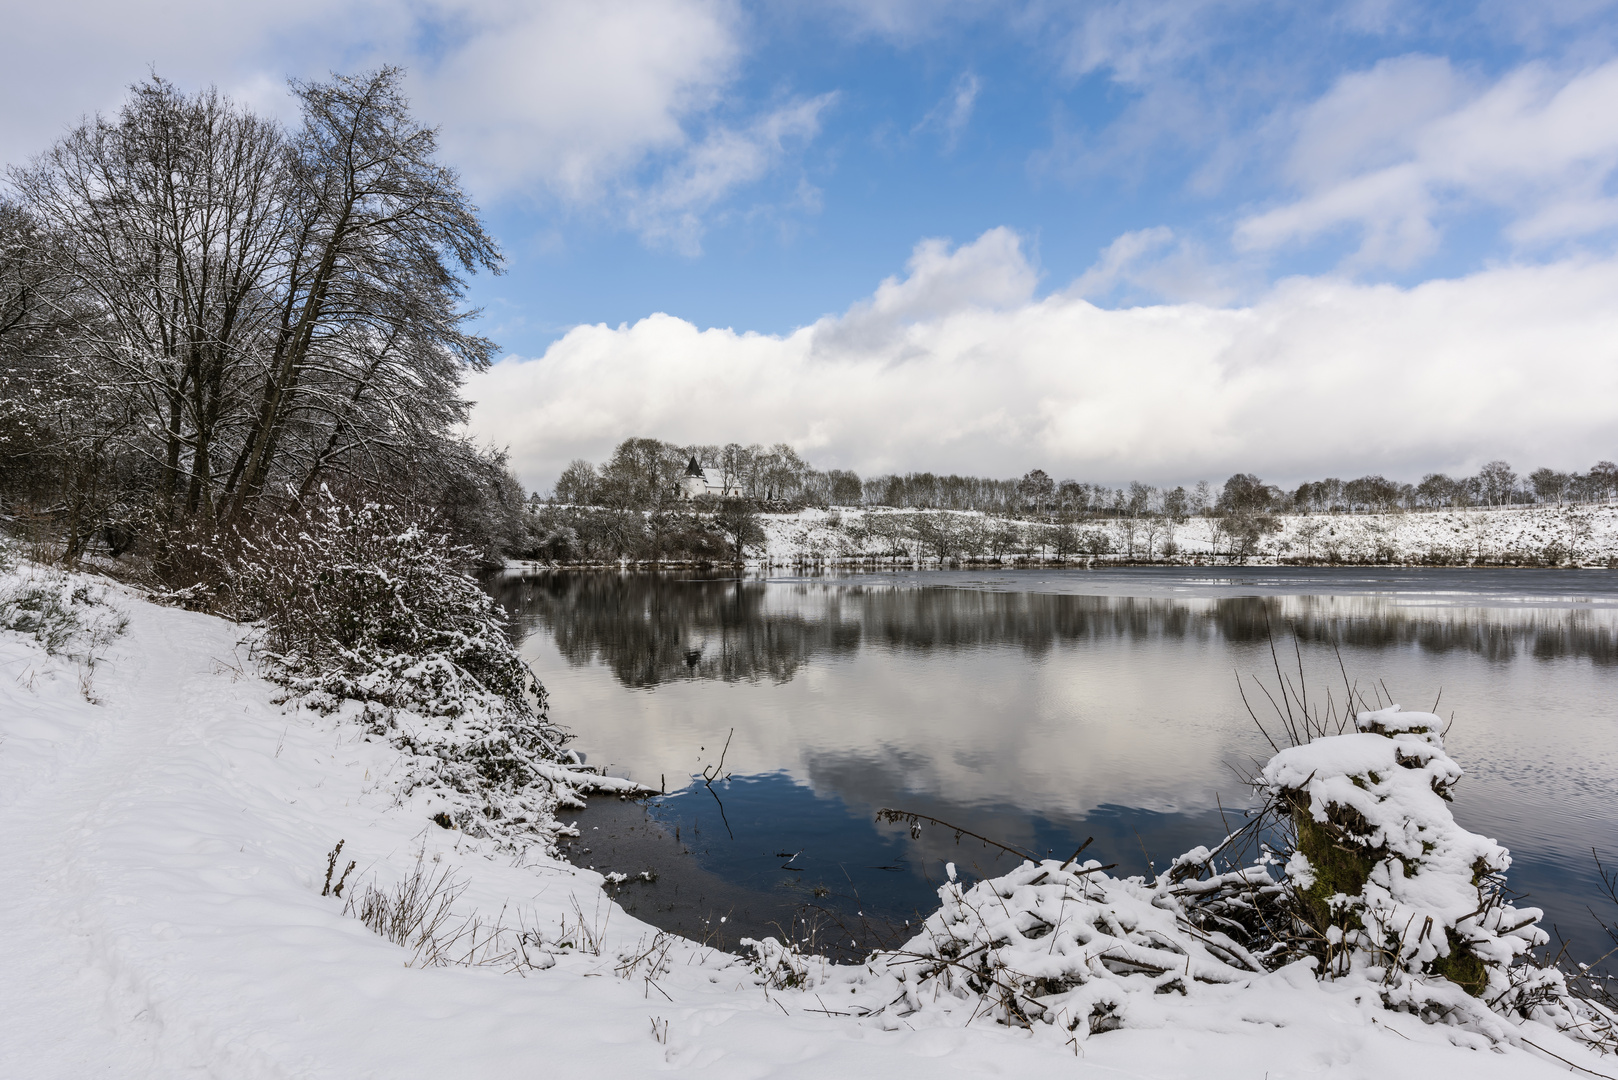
[1362, 878]
[780, 966]
[1382, 879]
[363, 605]
[65, 613]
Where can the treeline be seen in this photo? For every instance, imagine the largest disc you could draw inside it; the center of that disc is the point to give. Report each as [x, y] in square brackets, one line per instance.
[691, 532]
[1496, 484]
[207, 320]
[646, 473]
[639, 505]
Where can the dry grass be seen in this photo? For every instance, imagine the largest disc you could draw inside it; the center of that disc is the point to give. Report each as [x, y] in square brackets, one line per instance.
[418, 913]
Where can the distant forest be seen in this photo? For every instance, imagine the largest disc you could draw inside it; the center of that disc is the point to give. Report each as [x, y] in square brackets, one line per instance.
[645, 473]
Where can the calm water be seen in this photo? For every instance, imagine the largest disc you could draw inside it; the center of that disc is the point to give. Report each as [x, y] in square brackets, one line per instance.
[1043, 707]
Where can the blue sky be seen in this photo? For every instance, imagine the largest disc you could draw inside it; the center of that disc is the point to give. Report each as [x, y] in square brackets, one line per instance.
[1046, 214]
[1170, 116]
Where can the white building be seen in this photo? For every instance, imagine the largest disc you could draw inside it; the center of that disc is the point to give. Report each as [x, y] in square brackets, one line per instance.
[698, 481]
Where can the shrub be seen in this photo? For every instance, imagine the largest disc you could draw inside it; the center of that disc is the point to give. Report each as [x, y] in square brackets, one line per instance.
[362, 605]
[1095, 542]
[1384, 879]
[65, 613]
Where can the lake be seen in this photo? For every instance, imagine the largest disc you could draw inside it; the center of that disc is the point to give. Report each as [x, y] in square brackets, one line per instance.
[1037, 708]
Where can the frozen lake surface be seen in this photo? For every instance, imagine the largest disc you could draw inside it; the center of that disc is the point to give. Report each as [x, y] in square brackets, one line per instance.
[1042, 707]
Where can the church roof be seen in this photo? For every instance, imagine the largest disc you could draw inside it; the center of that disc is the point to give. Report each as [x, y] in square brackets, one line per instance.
[693, 469]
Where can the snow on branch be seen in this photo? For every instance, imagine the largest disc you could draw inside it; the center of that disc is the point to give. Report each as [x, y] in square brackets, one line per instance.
[370, 613]
[1351, 872]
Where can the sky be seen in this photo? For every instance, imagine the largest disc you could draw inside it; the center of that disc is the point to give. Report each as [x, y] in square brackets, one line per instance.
[1148, 240]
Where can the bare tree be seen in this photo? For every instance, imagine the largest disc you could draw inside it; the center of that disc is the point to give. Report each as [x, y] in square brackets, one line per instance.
[1436, 490]
[642, 474]
[261, 313]
[55, 428]
[844, 487]
[578, 484]
[1550, 485]
[1604, 480]
[1245, 509]
[1176, 508]
[369, 305]
[1037, 489]
[172, 220]
[1498, 481]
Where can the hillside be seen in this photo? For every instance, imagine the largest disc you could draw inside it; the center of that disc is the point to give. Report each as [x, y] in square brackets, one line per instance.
[1536, 536]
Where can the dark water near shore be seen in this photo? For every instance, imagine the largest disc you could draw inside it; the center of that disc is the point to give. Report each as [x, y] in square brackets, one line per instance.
[1038, 708]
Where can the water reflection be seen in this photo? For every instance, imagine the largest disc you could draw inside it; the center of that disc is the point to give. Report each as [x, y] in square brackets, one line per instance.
[1045, 708]
[652, 629]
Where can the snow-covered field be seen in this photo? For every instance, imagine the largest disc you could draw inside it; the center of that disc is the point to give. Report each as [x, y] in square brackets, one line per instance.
[166, 832]
[1579, 536]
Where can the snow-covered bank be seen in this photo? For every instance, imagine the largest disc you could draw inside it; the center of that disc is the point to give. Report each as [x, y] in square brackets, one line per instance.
[167, 831]
[1534, 536]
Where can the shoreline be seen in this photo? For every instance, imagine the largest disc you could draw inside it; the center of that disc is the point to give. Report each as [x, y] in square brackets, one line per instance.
[1545, 537]
[172, 824]
[878, 564]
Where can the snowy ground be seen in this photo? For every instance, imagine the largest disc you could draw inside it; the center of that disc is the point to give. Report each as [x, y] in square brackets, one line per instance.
[166, 829]
[1582, 536]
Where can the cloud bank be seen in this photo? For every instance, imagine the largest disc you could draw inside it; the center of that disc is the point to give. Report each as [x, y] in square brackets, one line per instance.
[959, 366]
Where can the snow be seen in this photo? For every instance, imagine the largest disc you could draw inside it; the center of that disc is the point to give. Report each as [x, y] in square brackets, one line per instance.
[167, 827]
[1432, 888]
[1575, 535]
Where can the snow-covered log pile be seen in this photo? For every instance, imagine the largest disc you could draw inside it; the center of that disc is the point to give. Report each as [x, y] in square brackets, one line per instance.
[1362, 880]
[1075, 948]
[370, 615]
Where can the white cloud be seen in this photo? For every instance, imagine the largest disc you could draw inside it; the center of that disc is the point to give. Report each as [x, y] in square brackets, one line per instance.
[574, 94]
[608, 106]
[1389, 152]
[672, 210]
[990, 272]
[951, 115]
[1160, 265]
[68, 60]
[958, 366]
[1137, 41]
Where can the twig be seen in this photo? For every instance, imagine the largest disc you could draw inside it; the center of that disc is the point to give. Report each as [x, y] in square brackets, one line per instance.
[1259, 723]
[720, 767]
[1566, 1062]
[1043, 874]
[331, 865]
[896, 817]
[1269, 637]
[1303, 685]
